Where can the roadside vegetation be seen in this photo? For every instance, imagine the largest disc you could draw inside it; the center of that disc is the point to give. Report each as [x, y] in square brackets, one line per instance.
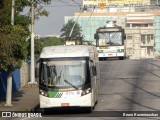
[43, 42]
[14, 34]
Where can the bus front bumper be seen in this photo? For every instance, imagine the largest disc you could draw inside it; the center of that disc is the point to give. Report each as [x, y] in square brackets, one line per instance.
[102, 55]
[81, 101]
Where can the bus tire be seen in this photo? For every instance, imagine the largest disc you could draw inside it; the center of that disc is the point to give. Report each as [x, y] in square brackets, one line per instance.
[121, 58]
[89, 109]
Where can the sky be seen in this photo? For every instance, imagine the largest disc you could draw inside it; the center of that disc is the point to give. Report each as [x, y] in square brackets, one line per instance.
[54, 22]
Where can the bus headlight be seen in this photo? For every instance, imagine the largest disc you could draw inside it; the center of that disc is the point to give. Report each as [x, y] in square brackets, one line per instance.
[120, 50]
[87, 91]
[43, 93]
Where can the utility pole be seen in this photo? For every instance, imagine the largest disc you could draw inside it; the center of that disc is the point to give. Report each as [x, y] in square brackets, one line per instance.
[12, 12]
[32, 68]
[9, 79]
[75, 23]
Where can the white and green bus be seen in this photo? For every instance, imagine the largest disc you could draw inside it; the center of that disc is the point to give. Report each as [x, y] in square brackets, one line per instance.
[69, 76]
[110, 41]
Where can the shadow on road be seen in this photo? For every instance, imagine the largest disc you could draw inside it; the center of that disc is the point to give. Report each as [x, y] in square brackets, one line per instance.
[62, 111]
[130, 85]
[138, 87]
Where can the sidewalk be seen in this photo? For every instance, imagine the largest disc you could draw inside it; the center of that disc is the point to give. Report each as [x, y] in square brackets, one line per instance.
[23, 100]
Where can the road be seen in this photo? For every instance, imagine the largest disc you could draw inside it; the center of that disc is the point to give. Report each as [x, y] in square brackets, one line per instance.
[130, 85]
[126, 85]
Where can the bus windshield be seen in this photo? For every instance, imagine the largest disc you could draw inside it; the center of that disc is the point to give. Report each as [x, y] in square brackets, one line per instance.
[110, 39]
[63, 72]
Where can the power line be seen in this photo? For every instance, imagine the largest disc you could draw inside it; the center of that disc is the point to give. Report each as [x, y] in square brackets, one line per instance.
[60, 5]
[71, 3]
[76, 2]
[68, 3]
[75, 23]
[91, 13]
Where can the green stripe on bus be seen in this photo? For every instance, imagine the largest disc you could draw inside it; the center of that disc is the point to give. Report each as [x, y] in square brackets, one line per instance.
[55, 94]
[61, 94]
[58, 95]
[52, 94]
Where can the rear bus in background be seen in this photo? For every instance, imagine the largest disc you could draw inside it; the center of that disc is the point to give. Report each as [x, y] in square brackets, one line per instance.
[110, 41]
[69, 76]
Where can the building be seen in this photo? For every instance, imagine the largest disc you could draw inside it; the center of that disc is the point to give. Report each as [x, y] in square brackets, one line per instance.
[90, 23]
[120, 2]
[157, 36]
[53, 35]
[140, 21]
[139, 36]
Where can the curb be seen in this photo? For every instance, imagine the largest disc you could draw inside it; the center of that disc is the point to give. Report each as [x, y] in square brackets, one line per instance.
[157, 59]
[2, 101]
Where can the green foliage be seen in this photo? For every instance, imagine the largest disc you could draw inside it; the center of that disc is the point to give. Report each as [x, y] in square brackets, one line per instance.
[1, 4]
[5, 10]
[37, 48]
[13, 47]
[43, 42]
[20, 4]
[51, 41]
[13, 44]
[66, 29]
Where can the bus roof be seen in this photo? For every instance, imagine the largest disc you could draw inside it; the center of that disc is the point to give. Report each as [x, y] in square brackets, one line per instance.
[109, 29]
[66, 51]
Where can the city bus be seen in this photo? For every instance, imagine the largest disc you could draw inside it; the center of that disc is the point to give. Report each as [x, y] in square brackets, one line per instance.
[69, 77]
[110, 41]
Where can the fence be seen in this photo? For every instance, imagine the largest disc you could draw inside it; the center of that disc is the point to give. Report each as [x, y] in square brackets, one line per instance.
[3, 82]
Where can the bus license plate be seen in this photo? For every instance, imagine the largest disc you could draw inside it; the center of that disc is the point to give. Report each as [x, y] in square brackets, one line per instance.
[64, 104]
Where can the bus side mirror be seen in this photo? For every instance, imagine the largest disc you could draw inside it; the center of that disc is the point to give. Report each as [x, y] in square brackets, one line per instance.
[96, 36]
[94, 71]
[36, 72]
[37, 68]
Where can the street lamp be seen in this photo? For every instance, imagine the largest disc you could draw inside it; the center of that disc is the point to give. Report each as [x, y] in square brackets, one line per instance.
[9, 80]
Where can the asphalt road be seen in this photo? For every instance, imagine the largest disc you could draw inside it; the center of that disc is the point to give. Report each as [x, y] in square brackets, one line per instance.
[126, 85]
[130, 85]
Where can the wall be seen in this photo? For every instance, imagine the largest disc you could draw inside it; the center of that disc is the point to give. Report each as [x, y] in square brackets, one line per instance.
[157, 35]
[113, 2]
[135, 49]
[3, 82]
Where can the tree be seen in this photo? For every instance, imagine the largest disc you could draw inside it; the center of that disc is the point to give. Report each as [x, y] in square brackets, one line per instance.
[51, 41]
[13, 47]
[39, 43]
[67, 28]
[13, 50]
[13, 44]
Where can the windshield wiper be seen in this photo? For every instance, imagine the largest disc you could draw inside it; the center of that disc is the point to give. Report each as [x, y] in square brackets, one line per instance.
[71, 84]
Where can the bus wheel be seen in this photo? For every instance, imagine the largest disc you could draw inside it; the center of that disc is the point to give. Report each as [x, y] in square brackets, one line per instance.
[46, 111]
[121, 58]
[89, 109]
